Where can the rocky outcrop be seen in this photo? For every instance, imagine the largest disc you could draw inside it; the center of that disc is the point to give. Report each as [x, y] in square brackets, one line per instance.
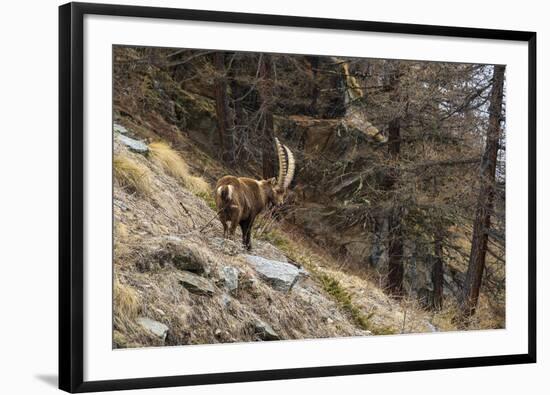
[156, 328]
[264, 331]
[196, 284]
[184, 254]
[119, 129]
[187, 256]
[229, 277]
[280, 275]
[134, 145]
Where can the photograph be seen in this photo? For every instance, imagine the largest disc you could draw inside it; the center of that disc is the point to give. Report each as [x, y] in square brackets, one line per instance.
[266, 198]
[277, 196]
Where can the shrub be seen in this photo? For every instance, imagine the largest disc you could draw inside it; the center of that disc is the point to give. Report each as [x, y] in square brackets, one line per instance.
[126, 300]
[174, 165]
[132, 175]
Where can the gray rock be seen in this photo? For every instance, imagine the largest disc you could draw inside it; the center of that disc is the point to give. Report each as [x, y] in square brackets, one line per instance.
[185, 256]
[230, 277]
[226, 301]
[264, 331]
[196, 284]
[431, 327]
[133, 144]
[156, 328]
[119, 128]
[280, 275]
[268, 251]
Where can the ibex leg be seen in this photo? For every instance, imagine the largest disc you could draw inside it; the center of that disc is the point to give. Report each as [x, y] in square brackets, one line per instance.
[246, 227]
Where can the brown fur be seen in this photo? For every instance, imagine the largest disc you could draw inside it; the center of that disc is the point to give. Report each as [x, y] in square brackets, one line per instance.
[240, 199]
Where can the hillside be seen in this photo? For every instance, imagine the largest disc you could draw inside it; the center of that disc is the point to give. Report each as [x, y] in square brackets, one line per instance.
[158, 244]
[177, 281]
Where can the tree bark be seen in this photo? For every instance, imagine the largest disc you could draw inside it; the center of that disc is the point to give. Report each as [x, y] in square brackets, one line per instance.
[395, 255]
[266, 95]
[395, 245]
[482, 221]
[437, 274]
[224, 114]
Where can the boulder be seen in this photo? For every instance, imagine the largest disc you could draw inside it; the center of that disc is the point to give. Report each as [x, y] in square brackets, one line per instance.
[184, 255]
[133, 144]
[264, 331]
[156, 328]
[280, 275]
[268, 251]
[119, 128]
[229, 276]
[196, 284]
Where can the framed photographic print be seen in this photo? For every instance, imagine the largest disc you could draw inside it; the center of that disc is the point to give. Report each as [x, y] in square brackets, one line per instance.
[258, 197]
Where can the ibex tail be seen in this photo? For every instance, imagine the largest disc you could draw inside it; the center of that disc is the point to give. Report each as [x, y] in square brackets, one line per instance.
[225, 192]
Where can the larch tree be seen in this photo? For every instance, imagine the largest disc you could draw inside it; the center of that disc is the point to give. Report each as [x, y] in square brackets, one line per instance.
[224, 114]
[484, 207]
[395, 242]
[266, 116]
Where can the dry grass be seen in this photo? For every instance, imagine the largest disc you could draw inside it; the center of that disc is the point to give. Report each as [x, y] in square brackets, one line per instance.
[132, 175]
[174, 165]
[122, 248]
[337, 287]
[195, 319]
[126, 298]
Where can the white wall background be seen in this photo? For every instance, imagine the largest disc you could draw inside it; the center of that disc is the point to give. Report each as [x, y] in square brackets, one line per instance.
[28, 195]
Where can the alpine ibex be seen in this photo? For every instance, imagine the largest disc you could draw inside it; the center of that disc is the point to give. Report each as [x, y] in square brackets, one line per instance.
[239, 199]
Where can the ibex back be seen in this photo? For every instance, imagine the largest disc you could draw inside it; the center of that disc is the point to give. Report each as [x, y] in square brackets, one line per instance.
[240, 199]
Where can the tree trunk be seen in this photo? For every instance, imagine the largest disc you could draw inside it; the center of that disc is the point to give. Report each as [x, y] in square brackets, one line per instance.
[395, 246]
[482, 221]
[437, 274]
[266, 95]
[395, 255]
[314, 62]
[223, 112]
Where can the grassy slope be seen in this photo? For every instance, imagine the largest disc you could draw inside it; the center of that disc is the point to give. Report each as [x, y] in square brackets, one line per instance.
[146, 285]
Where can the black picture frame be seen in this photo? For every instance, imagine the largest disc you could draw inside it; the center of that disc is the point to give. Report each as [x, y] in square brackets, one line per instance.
[71, 181]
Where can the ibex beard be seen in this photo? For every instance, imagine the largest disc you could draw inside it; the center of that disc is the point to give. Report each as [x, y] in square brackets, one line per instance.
[240, 199]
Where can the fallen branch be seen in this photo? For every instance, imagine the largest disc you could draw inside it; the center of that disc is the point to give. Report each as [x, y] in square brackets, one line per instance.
[212, 219]
[189, 214]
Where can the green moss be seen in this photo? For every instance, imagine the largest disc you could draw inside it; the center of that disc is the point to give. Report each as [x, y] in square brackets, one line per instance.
[278, 240]
[333, 288]
[329, 284]
[209, 200]
[362, 320]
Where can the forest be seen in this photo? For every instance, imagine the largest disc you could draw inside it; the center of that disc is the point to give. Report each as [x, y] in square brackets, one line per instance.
[393, 221]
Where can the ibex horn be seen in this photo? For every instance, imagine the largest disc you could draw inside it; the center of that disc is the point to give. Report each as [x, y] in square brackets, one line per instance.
[291, 167]
[282, 164]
